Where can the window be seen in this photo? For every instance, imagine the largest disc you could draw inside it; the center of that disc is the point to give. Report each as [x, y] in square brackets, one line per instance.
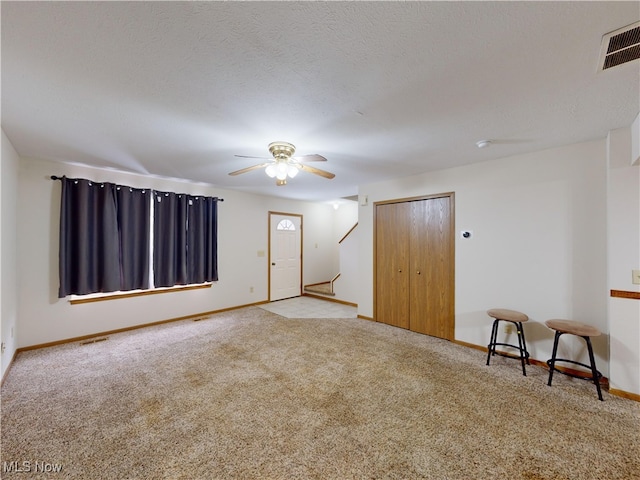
[285, 224]
[184, 239]
[105, 238]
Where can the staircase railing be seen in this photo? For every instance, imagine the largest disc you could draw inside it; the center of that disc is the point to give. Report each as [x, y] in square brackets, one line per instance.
[333, 280]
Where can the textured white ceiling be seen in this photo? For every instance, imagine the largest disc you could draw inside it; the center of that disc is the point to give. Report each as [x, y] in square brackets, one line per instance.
[381, 89]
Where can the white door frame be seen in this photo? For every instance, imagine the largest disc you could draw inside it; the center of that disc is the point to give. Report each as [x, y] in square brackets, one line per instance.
[274, 218]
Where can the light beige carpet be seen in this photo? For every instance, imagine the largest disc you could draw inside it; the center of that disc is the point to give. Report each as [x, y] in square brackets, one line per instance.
[322, 288]
[252, 395]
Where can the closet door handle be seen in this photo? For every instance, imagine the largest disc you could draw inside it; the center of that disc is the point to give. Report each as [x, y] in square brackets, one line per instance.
[399, 270]
[418, 272]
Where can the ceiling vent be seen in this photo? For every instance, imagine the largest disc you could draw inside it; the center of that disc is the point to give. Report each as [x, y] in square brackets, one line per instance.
[620, 47]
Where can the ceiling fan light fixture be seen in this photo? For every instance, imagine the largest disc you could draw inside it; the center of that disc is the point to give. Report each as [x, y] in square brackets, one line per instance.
[281, 171]
[271, 170]
[284, 165]
[282, 150]
[292, 171]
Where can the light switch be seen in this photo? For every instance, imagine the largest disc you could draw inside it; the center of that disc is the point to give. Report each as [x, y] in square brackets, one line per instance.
[636, 277]
[261, 253]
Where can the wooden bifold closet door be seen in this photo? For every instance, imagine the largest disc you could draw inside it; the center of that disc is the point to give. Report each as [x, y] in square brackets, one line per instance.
[414, 265]
[392, 263]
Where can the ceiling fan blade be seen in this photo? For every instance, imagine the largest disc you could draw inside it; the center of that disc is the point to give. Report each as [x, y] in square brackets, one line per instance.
[317, 171]
[309, 158]
[248, 169]
[249, 156]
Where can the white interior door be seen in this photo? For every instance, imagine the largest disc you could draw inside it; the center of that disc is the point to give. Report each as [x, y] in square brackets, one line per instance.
[285, 256]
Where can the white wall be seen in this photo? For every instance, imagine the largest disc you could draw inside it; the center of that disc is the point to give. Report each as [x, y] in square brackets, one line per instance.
[8, 253]
[624, 256]
[346, 286]
[327, 263]
[242, 232]
[539, 244]
[346, 253]
[345, 218]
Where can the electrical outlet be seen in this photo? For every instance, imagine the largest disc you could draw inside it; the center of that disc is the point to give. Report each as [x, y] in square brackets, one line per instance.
[635, 277]
[2, 347]
[250, 289]
[508, 329]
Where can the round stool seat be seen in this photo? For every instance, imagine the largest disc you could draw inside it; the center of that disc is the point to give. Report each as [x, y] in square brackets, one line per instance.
[506, 314]
[517, 318]
[573, 327]
[581, 330]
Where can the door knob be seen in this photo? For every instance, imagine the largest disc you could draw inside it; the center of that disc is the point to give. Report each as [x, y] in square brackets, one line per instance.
[273, 263]
[418, 272]
[400, 270]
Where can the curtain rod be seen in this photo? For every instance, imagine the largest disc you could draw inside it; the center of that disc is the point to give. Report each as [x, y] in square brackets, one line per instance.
[55, 177]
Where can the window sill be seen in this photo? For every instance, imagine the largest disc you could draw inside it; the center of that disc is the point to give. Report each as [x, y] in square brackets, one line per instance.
[100, 297]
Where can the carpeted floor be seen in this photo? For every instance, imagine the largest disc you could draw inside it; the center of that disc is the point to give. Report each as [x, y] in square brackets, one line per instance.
[250, 394]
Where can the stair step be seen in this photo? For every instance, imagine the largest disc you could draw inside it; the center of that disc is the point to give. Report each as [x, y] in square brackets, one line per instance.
[321, 288]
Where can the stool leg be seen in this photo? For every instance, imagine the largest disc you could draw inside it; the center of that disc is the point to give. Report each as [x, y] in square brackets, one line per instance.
[524, 342]
[552, 362]
[522, 347]
[594, 372]
[492, 342]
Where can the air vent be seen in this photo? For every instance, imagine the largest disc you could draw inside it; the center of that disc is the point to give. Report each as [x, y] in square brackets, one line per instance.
[620, 47]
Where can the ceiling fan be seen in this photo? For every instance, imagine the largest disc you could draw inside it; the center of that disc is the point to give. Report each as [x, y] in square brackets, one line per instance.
[284, 165]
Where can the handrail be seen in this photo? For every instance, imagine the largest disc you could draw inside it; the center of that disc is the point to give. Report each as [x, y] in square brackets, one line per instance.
[347, 234]
[333, 280]
[625, 294]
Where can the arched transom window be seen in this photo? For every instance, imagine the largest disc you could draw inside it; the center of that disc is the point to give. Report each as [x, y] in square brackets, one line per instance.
[285, 224]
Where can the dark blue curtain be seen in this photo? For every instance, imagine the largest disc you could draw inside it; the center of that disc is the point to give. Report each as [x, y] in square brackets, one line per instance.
[202, 239]
[89, 255]
[105, 235]
[134, 231]
[169, 239]
[185, 239]
[104, 238]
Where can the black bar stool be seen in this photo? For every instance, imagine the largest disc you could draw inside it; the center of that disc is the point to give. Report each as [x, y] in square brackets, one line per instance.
[517, 318]
[581, 330]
